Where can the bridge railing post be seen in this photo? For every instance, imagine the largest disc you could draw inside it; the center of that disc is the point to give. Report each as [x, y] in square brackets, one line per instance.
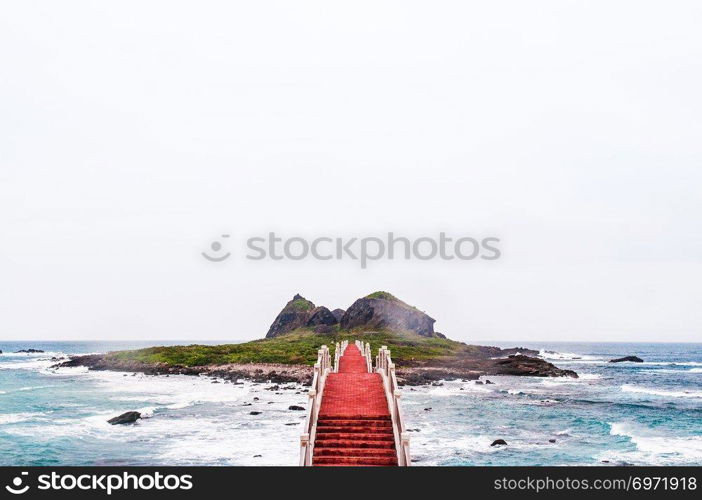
[386, 368]
[314, 400]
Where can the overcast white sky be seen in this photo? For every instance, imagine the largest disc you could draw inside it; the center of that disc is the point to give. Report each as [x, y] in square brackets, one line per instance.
[132, 134]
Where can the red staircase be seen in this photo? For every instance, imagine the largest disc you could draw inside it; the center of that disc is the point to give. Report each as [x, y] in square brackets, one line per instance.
[354, 426]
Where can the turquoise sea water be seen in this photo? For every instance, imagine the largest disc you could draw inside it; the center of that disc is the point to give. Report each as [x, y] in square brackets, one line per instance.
[618, 413]
[630, 413]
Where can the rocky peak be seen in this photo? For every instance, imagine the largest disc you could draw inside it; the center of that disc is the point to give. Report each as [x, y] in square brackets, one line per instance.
[321, 316]
[338, 314]
[383, 310]
[294, 315]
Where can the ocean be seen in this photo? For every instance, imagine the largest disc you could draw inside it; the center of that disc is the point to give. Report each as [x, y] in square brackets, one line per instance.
[620, 414]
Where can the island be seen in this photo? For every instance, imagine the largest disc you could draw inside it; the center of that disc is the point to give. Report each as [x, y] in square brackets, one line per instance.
[289, 349]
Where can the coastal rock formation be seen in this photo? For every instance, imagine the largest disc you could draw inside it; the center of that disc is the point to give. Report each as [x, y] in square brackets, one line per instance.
[294, 315]
[499, 442]
[28, 351]
[125, 418]
[321, 316]
[633, 359]
[381, 310]
[338, 314]
[518, 364]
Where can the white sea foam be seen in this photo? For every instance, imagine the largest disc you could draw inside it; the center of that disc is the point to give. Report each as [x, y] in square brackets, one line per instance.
[13, 418]
[223, 432]
[695, 370]
[661, 392]
[652, 447]
[228, 437]
[669, 363]
[568, 356]
[453, 389]
[48, 354]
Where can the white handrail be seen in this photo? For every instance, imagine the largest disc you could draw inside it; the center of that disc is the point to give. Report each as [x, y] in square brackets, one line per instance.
[314, 400]
[386, 368]
[369, 357]
[338, 352]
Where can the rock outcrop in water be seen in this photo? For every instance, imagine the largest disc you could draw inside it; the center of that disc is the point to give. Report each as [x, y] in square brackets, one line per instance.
[518, 364]
[381, 310]
[28, 351]
[125, 418]
[633, 359]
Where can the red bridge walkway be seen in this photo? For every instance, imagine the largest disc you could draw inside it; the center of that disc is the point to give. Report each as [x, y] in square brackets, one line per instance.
[354, 426]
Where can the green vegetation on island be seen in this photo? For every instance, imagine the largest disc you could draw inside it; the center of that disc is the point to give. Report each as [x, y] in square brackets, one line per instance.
[298, 347]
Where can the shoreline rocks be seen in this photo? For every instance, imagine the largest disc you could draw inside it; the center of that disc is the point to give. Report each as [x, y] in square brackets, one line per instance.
[463, 369]
[473, 369]
[255, 372]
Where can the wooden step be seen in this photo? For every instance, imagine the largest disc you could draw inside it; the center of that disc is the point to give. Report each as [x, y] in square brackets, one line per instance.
[353, 430]
[385, 424]
[362, 436]
[354, 443]
[353, 452]
[354, 417]
[357, 461]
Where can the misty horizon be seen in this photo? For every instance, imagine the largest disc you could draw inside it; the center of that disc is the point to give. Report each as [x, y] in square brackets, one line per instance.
[131, 143]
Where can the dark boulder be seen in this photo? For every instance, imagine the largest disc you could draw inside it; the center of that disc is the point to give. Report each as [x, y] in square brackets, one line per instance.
[633, 359]
[255, 412]
[294, 315]
[296, 408]
[499, 442]
[381, 310]
[125, 418]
